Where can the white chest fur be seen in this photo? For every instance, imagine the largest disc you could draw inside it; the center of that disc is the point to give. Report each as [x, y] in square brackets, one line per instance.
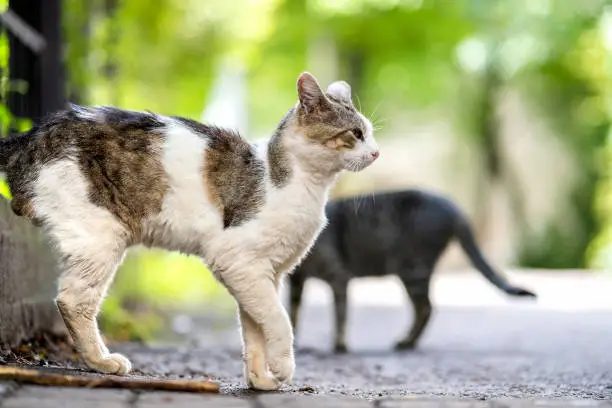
[293, 218]
[283, 230]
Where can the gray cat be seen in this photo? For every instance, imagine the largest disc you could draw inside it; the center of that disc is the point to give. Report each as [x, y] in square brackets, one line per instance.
[399, 233]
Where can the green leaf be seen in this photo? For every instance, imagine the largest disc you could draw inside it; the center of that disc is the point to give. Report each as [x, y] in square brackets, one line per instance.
[23, 124]
[5, 191]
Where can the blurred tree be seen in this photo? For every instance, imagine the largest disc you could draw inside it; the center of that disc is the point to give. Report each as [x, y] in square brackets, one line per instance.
[120, 52]
[526, 50]
[597, 64]
[561, 85]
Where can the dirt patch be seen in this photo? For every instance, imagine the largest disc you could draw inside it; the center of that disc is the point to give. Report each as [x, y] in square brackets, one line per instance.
[43, 350]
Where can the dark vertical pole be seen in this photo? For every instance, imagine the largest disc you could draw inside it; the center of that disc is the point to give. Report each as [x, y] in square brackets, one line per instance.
[43, 73]
[53, 76]
[23, 62]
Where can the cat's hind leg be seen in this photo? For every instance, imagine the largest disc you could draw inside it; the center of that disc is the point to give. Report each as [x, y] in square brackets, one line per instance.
[90, 242]
[418, 292]
[82, 286]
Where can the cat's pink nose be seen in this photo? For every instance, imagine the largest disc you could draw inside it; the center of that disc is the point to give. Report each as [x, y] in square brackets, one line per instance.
[375, 154]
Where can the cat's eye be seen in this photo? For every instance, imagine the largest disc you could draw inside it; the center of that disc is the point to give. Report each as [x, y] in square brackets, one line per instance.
[358, 133]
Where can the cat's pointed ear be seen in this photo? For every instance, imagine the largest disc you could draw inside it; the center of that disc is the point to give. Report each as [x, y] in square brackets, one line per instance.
[340, 90]
[309, 91]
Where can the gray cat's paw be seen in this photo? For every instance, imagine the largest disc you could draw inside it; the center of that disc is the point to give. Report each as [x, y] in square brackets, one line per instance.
[405, 345]
[518, 291]
[112, 364]
[340, 349]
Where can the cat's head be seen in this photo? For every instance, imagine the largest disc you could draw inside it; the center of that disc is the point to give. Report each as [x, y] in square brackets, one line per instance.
[330, 123]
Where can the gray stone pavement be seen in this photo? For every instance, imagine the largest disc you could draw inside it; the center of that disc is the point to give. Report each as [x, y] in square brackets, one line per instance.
[55, 397]
[481, 350]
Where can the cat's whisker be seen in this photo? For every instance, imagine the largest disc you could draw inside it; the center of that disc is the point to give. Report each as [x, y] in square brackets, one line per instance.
[358, 102]
[373, 114]
[379, 122]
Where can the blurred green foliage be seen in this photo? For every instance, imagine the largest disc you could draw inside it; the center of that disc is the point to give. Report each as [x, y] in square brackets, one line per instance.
[7, 120]
[149, 283]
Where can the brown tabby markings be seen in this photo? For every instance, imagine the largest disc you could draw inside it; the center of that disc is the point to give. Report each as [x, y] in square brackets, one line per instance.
[332, 114]
[119, 153]
[125, 172]
[233, 175]
[22, 207]
[35, 151]
[279, 165]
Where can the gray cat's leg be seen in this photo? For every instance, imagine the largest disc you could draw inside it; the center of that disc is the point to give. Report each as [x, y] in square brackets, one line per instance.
[82, 287]
[340, 308]
[418, 291]
[296, 283]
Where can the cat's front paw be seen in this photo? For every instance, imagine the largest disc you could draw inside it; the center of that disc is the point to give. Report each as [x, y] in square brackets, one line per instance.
[282, 368]
[262, 383]
[111, 364]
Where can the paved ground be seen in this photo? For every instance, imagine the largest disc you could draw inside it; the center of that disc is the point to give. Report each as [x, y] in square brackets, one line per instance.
[45, 397]
[481, 350]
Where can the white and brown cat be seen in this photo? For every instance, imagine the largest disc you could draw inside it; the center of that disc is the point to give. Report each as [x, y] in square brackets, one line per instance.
[99, 180]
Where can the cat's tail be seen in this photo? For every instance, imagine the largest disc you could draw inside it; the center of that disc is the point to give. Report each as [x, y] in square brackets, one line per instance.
[9, 146]
[464, 234]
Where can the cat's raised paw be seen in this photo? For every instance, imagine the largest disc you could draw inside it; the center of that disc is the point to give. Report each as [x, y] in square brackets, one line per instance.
[112, 364]
[282, 369]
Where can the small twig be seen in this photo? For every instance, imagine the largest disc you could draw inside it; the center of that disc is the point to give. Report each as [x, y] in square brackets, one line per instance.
[40, 377]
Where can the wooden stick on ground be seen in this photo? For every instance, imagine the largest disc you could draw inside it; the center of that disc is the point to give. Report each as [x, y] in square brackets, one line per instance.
[40, 377]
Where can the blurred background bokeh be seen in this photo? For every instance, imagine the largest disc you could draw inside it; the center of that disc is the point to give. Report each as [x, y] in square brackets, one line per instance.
[503, 105]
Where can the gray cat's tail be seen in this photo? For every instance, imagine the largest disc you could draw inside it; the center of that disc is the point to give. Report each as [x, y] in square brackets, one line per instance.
[464, 234]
